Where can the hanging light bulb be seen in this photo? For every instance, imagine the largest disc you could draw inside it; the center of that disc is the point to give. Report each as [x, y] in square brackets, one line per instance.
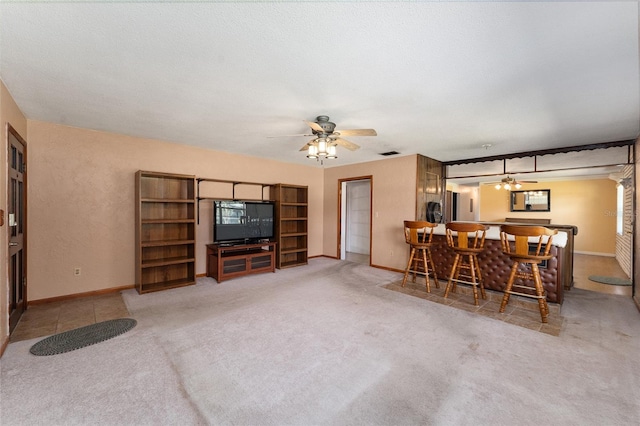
[331, 151]
[313, 151]
[322, 147]
[507, 183]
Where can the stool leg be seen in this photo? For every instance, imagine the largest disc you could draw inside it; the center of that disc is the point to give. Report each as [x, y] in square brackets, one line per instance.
[542, 301]
[452, 275]
[479, 275]
[416, 262]
[406, 271]
[426, 269]
[512, 278]
[433, 269]
[459, 267]
[474, 282]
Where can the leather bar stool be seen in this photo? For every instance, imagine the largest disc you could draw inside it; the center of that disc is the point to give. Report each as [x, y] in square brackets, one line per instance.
[527, 246]
[467, 242]
[418, 234]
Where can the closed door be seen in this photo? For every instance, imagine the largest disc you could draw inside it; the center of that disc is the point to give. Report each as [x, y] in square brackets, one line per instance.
[16, 213]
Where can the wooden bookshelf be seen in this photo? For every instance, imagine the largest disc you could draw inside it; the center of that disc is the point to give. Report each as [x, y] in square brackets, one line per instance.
[291, 225]
[165, 231]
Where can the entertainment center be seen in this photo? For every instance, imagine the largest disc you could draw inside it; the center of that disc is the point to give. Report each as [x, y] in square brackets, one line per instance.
[242, 234]
[249, 235]
[226, 261]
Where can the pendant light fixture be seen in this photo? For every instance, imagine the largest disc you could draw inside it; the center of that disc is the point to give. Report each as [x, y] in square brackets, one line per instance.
[321, 148]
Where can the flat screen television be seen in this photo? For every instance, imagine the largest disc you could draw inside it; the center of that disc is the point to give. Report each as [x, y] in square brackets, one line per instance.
[242, 222]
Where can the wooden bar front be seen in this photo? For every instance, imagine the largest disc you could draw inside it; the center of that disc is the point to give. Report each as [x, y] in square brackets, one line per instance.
[496, 266]
[557, 274]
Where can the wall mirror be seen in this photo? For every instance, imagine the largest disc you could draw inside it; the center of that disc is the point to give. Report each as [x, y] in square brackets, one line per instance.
[538, 200]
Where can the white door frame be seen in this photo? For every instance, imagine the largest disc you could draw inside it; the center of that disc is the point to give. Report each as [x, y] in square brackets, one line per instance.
[342, 204]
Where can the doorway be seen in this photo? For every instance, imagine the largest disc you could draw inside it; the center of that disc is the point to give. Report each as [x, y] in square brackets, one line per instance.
[16, 226]
[451, 212]
[355, 219]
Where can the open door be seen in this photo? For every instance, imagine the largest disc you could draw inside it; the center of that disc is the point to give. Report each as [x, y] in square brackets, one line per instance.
[355, 219]
[16, 226]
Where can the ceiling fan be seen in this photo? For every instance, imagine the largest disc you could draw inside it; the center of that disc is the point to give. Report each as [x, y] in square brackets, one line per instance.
[325, 135]
[508, 182]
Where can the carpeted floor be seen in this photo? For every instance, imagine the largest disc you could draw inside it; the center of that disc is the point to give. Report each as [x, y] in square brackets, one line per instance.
[327, 344]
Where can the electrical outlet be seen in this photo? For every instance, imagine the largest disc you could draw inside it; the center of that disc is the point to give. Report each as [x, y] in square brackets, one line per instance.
[76, 271]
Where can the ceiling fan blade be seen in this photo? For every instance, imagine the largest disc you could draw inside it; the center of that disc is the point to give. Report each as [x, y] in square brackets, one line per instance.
[528, 181]
[314, 126]
[306, 146]
[357, 132]
[346, 144]
[286, 136]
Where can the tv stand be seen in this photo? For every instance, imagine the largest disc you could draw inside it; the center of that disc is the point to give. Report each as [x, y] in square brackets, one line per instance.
[230, 261]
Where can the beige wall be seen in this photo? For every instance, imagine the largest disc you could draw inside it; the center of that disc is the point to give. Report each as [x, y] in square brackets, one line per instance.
[394, 200]
[81, 202]
[588, 204]
[9, 114]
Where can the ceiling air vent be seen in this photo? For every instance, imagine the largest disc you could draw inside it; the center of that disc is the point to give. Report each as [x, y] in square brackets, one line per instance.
[388, 153]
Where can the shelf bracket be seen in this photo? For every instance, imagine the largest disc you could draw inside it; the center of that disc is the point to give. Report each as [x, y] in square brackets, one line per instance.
[233, 191]
[265, 185]
[198, 202]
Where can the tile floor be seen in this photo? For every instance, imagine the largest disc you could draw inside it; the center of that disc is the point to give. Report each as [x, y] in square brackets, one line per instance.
[56, 317]
[520, 312]
[585, 265]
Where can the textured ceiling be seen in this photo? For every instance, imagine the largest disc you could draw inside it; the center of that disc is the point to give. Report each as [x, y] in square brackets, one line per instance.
[435, 78]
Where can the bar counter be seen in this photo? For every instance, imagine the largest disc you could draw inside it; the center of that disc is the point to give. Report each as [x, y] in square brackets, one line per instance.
[557, 274]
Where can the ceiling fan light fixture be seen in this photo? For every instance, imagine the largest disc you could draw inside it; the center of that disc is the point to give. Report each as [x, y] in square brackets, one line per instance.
[322, 147]
[331, 151]
[313, 151]
[327, 138]
[509, 182]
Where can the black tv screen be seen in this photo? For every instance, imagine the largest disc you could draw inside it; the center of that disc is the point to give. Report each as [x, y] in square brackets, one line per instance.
[242, 221]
